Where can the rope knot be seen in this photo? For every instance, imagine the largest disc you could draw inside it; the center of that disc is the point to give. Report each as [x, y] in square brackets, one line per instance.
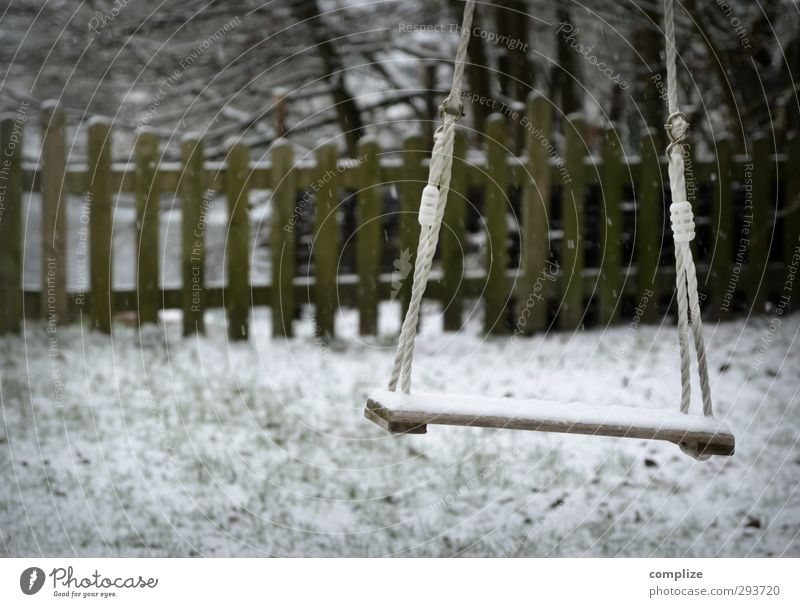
[682, 220]
[454, 108]
[677, 126]
[429, 206]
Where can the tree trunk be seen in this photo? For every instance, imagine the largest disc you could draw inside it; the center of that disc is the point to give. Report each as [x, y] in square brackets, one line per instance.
[516, 72]
[650, 70]
[478, 76]
[346, 109]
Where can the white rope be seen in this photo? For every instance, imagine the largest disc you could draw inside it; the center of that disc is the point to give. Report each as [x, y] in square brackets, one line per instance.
[683, 231]
[432, 205]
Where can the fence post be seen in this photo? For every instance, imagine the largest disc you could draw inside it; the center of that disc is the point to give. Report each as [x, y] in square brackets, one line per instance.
[325, 248]
[762, 230]
[54, 301]
[721, 224]
[147, 212]
[791, 213]
[649, 222]
[237, 241]
[611, 229]
[495, 208]
[452, 237]
[100, 224]
[535, 231]
[369, 239]
[282, 238]
[572, 204]
[414, 178]
[10, 224]
[193, 225]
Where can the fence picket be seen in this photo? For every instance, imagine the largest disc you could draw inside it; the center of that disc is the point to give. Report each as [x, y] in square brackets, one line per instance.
[762, 228]
[54, 301]
[369, 237]
[237, 242]
[11, 297]
[283, 238]
[325, 250]
[100, 225]
[452, 237]
[609, 288]
[722, 226]
[193, 220]
[649, 223]
[572, 209]
[147, 213]
[791, 216]
[534, 232]
[496, 206]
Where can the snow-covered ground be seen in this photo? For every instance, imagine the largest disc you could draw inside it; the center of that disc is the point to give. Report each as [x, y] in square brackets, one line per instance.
[157, 445]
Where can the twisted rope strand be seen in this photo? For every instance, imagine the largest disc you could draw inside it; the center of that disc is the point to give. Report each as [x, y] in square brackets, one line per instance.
[683, 326]
[683, 232]
[672, 56]
[699, 341]
[441, 162]
[439, 177]
[427, 257]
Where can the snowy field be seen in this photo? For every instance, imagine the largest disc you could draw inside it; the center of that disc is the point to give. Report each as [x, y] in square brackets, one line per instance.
[156, 445]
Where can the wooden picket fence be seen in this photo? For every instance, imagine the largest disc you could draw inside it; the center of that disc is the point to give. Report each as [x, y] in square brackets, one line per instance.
[747, 215]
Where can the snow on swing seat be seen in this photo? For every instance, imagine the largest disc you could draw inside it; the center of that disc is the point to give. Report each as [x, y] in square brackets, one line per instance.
[411, 413]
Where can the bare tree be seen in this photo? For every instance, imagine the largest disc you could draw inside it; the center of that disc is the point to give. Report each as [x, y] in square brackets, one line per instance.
[307, 13]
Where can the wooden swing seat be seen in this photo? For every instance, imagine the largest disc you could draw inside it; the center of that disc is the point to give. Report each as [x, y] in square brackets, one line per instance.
[411, 413]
